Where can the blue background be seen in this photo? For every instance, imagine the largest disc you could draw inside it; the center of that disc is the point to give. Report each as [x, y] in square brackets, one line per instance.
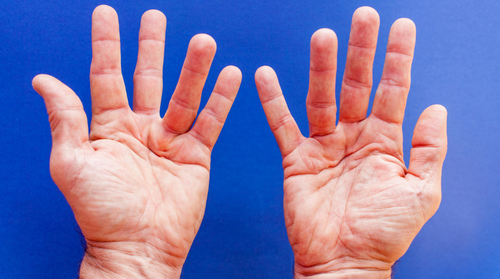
[243, 235]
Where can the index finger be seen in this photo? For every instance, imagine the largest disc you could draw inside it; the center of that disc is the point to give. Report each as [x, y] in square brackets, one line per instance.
[280, 120]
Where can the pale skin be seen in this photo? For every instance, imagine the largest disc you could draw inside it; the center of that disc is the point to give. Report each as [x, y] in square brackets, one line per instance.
[352, 207]
[138, 183]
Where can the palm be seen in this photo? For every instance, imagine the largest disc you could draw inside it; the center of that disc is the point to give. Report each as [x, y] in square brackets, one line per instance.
[138, 177]
[349, 200]
[139, 187]
[357, 197]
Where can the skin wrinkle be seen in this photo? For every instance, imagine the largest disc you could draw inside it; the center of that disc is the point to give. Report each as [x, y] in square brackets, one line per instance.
[207, 168]
[389, 81]
[331, 211]
[55, 120]
[323, 141]
[310, 238]
[169, 129]
[298, 142]
[103, 74]
[94, 262]
[147, 111]
[356, 84]
[281, 123]
[332, 165]
[308, 162]
[339, 239]
[184, 104]
[97, 112]
[343, 221]
[325, 70]
[108, 196]
[99, 245]
[150, 72]
[155, 248]
[395, 139]
[399, 53]
[76, 175]
[272, 98]
[215, 93]
[358, 134]
[156, 39]
[372, 148]
[343, 213]
[368, 46]
[193, 71]
[201, 139]
[149, 190]
[374, 152]
[382, 157]
[106, 40]
[389, 121]
[327, 133]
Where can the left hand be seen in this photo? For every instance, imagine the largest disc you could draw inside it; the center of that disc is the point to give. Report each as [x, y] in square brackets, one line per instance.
[352, 208]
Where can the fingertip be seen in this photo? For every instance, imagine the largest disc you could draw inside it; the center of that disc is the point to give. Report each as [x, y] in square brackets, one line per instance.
[402, 37]
[41, 82]
[154, 16]
[231, 76]
[435, 111]
[439, 109]
[405, 31]
[366, 15]
[233, 72]
[104, 11]
[35, 82]
[364, 28]
[324, 39]
[263, 73]
[323, 50]
[266, 80]
[201, 44]
[406, 24]
[431, 127]
[323, 36]
[153, 26]
[105, 24]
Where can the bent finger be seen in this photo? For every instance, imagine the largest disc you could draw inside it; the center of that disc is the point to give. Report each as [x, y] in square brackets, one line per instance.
[67, 118]
[428, 154]
[390, 100]
[185, 101]
[212, 118]
[280, 120]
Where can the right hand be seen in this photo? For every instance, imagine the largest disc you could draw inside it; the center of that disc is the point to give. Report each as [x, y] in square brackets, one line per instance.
[138, 184]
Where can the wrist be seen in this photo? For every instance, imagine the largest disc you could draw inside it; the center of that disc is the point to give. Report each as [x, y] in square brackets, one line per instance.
[125, 261]
[345, 269]
[348, 274]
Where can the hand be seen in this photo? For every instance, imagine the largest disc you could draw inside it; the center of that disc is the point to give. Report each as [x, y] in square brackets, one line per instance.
[351, 206]
[138, 183]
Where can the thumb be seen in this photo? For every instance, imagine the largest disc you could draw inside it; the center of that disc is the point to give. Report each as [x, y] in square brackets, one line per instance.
[67, 118]
[427, 155]
[68, 122]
